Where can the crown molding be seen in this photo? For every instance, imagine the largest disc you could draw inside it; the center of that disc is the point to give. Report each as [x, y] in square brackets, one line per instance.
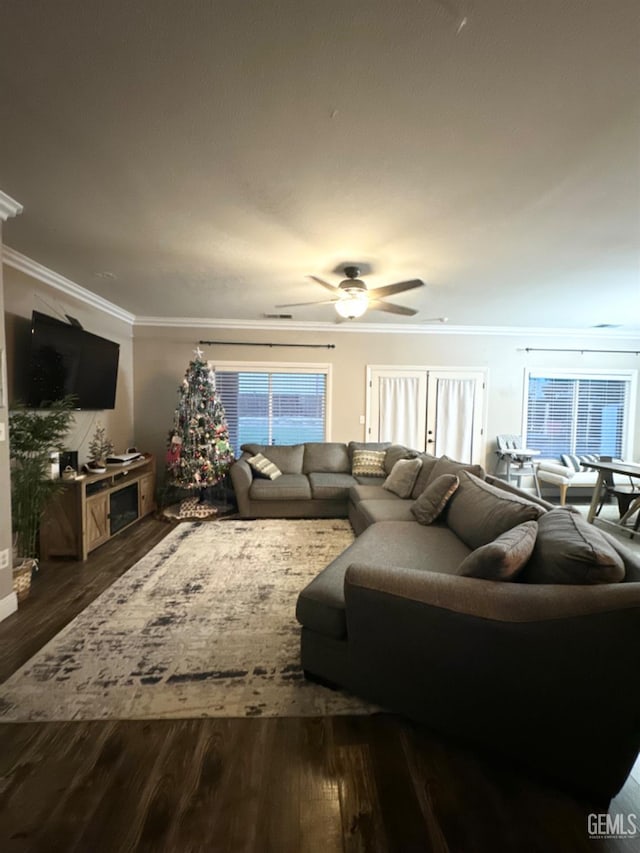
[386, 328]
[9, 207]
[32, 268]
[22, 263]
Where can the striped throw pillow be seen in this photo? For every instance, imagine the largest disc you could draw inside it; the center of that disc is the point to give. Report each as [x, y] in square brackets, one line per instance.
[570, 461]
[586, 458]
[368, 463]
[263, 467]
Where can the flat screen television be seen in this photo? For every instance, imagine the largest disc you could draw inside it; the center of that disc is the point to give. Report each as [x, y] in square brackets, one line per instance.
[67, 360]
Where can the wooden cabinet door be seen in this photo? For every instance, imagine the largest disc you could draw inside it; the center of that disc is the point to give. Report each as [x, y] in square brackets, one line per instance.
[147, 503]
[97, 520]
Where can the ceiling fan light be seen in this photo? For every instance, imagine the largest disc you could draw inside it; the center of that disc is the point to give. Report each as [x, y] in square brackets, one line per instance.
[352, 306]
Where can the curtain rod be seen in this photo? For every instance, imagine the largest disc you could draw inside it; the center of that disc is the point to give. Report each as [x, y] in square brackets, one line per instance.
[582, 351]
[251, 344]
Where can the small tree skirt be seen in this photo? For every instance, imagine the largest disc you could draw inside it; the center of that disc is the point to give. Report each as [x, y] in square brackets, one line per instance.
[190, 508]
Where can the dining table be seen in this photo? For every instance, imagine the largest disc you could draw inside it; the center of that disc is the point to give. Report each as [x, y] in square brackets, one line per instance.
[606, 470]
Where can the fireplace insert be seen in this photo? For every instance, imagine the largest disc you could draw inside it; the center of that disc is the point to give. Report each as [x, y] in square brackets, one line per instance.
[123, 507]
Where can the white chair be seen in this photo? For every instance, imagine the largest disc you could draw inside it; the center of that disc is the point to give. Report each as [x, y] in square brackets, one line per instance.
[518, 460]
[566, 477]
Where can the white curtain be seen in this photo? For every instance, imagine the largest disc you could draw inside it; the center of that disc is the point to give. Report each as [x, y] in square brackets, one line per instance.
[455, 409]
[399, 416]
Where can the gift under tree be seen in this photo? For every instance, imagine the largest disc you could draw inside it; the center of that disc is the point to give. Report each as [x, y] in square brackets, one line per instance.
[199, 452]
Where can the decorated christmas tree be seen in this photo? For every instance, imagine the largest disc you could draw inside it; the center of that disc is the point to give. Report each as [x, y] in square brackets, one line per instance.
[199, 453]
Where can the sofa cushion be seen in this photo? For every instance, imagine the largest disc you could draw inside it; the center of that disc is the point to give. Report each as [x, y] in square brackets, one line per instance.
[330, 486]
[569, 550]
[320, 605]
[368, 463]
[285, 488]
[434, 498]
[630, 559]
[396, 452]
[326, 457]
[403, 477]
[288, 457]
[369, 481]
[373, 511]
[505, 557]
[445, 465]
[428, 461]
[361, 492]
[478, 512]
[497, 483]
[263, 467]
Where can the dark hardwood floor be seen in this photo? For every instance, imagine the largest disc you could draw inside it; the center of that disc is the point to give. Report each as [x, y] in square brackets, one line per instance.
[288, 785]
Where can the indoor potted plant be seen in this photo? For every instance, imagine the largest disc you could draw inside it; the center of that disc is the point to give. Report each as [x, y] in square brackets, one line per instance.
[33, 435]
[100, 447]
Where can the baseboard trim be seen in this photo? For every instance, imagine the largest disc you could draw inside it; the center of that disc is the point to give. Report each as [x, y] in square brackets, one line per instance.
[8, 605]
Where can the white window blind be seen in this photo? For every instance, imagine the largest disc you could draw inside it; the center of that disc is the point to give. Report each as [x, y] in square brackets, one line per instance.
[578, 414]
[273, 407]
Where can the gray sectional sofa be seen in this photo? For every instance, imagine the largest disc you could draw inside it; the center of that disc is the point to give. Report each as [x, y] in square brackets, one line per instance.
[543, 673]
[315, 481]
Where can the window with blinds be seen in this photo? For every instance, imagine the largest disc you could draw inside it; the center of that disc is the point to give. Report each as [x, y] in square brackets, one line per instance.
[265, 407]
[578, 414]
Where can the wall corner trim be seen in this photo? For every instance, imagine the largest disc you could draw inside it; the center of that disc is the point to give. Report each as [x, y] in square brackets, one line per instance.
[22, 263]
[9, 207]
[8, 605]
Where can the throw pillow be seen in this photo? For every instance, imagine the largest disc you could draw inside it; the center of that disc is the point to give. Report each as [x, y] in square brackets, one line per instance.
[366, 445]
[403, 476]
[445, 465]
[505, 557]
[569, 550]
[478, 513]
[428, 461]
[571, 461]
[287, 457]
[263, 467]
[434, 498]
[368, 463]
[586, 459]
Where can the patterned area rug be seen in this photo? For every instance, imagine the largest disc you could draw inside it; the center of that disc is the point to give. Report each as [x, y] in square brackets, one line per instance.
[203, 626]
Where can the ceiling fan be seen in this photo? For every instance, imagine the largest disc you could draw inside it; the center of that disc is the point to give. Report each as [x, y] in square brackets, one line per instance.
[352, 297]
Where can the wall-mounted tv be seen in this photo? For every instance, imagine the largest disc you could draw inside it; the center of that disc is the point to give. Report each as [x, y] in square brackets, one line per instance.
[67, 360]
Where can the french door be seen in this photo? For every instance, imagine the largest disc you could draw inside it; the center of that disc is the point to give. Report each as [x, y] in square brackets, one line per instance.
[440, 411]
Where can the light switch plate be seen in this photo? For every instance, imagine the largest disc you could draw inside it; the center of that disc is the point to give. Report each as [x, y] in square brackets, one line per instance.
[3, 431]
[362, 419]
[4, 558]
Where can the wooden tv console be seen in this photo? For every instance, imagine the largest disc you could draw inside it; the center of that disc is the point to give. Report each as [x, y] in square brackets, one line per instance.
[95, 507]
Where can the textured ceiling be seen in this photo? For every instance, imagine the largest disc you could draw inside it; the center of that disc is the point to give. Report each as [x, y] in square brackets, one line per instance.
[209, 156]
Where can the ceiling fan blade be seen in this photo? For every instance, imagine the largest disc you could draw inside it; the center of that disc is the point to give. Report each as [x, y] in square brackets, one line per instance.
[399, 287]
[323, 283]
[300, 304]
[390, 308]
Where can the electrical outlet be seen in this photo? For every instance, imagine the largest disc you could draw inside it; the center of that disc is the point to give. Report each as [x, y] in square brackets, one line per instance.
[4, 558]
[362, 420]
[3, 431]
